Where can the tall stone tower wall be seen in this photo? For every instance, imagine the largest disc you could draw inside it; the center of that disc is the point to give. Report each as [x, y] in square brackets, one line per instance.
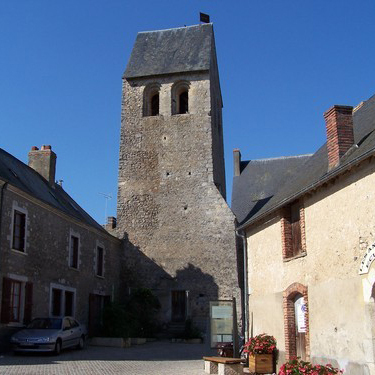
[180, 228]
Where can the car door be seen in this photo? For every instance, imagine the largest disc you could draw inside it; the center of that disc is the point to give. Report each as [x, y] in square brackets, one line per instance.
[76, 331]
[67, 334]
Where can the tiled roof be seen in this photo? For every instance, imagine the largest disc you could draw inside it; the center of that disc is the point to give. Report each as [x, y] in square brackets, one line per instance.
[288, 180]
[18, 174]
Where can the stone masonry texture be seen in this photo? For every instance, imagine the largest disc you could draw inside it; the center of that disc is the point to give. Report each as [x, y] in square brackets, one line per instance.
[170, 198]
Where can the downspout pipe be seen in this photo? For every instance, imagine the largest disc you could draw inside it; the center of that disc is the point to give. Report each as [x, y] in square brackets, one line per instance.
[245, 286]
[3, 185]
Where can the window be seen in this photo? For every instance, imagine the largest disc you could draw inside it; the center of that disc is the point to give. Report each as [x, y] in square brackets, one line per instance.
[69, 303]
[180, 97]
[74, 252]
[99, 261]
[62, 300]
[19, 231]
[155, 105]
[293, 230]
[151, 100]
[16, 303]
[183, 102]
[56, 302]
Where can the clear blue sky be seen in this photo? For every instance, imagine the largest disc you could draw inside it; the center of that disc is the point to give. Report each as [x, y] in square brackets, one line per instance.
[281, 63]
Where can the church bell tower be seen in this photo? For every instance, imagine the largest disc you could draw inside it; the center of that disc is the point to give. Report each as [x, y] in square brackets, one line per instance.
[171, 191]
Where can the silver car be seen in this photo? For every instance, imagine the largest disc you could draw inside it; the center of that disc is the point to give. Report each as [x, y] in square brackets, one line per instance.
[49, 335]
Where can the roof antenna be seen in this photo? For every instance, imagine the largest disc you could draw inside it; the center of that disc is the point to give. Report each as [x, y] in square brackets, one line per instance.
[107, 197]
[204, 18]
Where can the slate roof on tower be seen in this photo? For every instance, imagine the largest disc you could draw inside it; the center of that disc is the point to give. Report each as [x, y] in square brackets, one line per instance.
[179, 50]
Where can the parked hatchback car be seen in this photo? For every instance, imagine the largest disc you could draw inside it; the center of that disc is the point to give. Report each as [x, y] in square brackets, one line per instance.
[50, 335]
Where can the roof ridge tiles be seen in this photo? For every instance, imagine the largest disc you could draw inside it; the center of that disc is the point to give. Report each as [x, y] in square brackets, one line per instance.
[281, 158]
[174, 28]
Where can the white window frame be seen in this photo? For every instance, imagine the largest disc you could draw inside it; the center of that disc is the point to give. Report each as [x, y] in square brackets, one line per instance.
[99, 244]
[17, 207]
[72, 233]
[63, 289]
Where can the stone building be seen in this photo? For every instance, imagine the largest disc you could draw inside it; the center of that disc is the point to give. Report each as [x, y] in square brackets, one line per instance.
[55, 259]
[309, 226]
[171, 190]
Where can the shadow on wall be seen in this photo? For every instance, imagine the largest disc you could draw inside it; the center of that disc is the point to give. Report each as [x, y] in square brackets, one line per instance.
[184, 295]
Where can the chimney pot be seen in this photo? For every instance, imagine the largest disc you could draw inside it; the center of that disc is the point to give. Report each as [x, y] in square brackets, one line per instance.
[340, 135]
[111, 222]
[237, 161]
[43, 161]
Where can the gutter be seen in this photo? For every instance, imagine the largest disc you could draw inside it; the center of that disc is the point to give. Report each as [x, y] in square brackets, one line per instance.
[313, 186]
[245, 293]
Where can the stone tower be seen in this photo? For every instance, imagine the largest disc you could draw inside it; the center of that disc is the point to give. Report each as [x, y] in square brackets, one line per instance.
[171, 192]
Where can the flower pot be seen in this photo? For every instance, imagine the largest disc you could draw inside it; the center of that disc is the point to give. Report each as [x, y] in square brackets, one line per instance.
[261, 363]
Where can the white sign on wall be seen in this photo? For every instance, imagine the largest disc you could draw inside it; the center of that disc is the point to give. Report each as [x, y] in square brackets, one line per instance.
[300, 311]
[367, 260]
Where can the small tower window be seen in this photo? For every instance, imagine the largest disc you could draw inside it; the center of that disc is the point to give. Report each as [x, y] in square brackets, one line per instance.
[180, 97]
[184, 102]
[151, 100]
[155, 105]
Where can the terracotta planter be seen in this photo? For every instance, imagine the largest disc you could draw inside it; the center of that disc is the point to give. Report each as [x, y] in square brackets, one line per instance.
[261, 363]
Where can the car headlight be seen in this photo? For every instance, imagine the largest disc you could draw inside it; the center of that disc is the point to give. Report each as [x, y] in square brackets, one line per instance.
[14, 339]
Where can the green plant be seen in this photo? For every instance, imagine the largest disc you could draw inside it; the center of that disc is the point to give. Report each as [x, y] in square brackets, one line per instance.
[115, 321]
[260, 344]
[297, 367]
[191, 331]
[135, 318]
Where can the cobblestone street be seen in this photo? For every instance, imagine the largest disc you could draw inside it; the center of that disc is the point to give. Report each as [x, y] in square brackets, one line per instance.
[156, 358]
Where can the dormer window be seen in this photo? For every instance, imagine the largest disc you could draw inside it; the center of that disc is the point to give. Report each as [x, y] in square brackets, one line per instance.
[180, 98]
[151, 100]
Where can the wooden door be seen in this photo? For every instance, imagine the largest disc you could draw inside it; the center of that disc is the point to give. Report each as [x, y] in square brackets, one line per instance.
[178, 305]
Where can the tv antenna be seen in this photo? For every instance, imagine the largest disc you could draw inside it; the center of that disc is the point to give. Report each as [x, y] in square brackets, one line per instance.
[107, 197]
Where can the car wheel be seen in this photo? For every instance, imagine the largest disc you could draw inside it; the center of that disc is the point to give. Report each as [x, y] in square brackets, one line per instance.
[81, 343]
[58, 347]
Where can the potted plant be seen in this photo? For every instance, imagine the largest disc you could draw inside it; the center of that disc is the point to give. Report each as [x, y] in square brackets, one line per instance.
[297, 367]
[261, 349]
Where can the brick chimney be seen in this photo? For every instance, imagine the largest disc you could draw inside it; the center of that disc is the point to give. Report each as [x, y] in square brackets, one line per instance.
[340, 136]
[236, 162]
[44, 162]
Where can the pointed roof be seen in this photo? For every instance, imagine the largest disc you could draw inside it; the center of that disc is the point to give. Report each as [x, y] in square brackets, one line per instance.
[179, 50]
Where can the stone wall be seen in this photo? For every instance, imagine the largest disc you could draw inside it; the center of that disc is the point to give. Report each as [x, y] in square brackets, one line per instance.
[339, 228]
[46, 259]
[180, 229]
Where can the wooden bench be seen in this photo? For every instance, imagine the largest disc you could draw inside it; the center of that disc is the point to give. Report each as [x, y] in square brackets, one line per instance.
[223, 365]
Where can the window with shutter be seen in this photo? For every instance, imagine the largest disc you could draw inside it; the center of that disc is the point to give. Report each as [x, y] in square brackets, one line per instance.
[292, 227]
[5, 301]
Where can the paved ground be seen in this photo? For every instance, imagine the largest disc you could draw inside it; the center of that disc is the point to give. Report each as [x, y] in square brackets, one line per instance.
[155, 358]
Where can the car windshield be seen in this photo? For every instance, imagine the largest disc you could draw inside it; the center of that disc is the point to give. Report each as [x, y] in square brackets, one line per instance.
[45, 323]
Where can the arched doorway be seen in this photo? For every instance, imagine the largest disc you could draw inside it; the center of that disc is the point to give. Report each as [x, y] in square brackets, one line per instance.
[296, 322]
